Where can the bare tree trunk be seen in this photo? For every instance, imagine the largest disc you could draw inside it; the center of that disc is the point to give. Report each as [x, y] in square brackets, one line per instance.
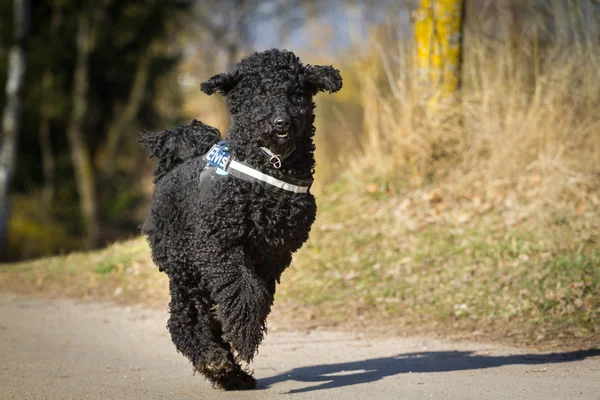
[48, 163]
[106, 157]
[438, 37]
[12, 112]
[82, 161]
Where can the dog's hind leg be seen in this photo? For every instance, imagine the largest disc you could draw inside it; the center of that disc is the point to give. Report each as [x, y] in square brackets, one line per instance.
[197, 335]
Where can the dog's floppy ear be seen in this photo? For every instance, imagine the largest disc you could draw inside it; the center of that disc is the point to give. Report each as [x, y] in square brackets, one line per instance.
[323, 78]
[222, 82]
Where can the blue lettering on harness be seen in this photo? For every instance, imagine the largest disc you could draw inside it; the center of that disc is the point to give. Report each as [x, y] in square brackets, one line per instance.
[218, 156]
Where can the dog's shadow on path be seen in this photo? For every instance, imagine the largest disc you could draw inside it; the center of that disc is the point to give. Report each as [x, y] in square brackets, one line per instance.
[353, 373]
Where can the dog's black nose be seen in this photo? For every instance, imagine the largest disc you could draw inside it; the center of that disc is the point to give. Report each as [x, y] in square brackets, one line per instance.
[282, 123]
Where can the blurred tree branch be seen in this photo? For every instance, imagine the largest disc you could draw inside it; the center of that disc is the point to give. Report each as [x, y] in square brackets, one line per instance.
[228, 24]
[124, 118]
[90, 18]
[12, 110]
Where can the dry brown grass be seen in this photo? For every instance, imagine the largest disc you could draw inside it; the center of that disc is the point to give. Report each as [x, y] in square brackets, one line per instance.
[527, 129]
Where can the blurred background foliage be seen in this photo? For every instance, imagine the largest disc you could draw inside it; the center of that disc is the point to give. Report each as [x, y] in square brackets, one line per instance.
[524, 130]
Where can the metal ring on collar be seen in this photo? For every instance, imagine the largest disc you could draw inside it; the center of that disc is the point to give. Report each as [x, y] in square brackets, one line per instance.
[277, 162]
[275, 159]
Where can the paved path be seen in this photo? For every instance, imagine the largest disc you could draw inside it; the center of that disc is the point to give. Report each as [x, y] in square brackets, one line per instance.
[64, 350]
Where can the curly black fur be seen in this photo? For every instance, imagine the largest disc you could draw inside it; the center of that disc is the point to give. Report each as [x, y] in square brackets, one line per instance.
[171, 148]
[225, 248]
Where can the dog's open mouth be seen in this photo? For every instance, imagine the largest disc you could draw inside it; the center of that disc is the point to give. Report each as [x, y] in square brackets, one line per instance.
[282, 135]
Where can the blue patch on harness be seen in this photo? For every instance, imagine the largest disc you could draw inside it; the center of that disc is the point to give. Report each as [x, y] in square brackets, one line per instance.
[218, 156]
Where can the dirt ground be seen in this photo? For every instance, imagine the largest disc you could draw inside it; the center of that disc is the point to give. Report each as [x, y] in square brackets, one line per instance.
[62, 349]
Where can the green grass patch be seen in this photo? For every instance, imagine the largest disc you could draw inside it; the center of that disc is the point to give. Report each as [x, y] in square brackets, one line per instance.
[105, 268]
[123, 273]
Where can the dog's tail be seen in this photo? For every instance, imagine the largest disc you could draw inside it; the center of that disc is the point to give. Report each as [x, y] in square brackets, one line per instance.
[172, 147]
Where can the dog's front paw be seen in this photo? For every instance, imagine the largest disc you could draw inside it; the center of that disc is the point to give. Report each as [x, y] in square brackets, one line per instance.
[238, 380]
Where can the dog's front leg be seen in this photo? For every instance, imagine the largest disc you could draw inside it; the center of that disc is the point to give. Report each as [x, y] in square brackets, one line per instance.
[242, 301]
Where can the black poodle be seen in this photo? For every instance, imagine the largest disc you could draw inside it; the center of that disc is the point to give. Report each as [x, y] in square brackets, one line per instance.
[226, 216]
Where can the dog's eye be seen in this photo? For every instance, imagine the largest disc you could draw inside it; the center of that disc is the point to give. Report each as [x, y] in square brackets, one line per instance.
[302, 112]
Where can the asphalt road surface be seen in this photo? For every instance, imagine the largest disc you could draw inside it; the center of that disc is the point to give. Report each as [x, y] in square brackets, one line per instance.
[65, 350]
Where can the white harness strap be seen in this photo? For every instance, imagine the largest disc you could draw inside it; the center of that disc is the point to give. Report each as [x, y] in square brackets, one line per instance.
[235, 168]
